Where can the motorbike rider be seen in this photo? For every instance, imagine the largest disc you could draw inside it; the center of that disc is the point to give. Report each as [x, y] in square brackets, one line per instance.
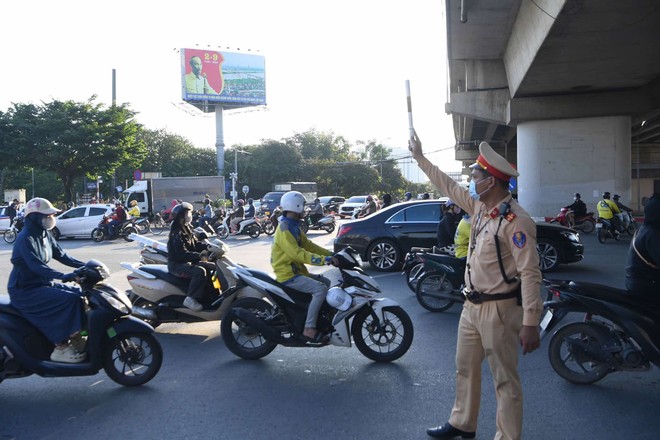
[577, 209]
[623, 208]
[208, 213]
[135, 209]
[249, 210]
[369, 207]
[186, 256]
[387, 200]
[54, 308]
[237, 216]
[607, 210]
[407, 196]
[462, 237]
[118, 218]
[448, 223]
[290, 252]
[316, 211]
[643, 263]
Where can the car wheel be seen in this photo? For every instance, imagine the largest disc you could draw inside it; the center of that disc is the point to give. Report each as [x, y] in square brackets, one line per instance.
[548, 255]
[56, 233]
[383, 255]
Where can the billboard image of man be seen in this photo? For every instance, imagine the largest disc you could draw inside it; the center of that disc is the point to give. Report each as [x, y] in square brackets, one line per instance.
[196, 81]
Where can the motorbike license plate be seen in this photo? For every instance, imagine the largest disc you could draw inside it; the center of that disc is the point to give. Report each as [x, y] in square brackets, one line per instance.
[599, 225]
[546, 319]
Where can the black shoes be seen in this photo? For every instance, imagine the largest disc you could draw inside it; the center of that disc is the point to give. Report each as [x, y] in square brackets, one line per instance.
[447, 431]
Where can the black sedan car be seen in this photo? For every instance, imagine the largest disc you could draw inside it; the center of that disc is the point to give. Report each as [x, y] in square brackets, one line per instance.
[384, 238]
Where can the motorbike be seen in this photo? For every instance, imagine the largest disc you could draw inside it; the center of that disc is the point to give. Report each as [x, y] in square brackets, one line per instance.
[331, 208]
[277, 212]
[585, 223]
[325, 223]
[122, 345]
[413, 264]
[157, 295]
[249, 226]
[605, 230]
[618, 332]
[142, 225]
[124, 230]
[15, 227]
[628, 223]
[265, 224]
[440, 283]
[253, 327]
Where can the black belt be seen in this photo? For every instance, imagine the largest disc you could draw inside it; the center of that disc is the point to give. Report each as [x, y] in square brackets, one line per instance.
[477, 297]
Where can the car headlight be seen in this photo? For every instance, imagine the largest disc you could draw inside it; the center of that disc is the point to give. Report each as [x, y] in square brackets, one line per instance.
[571, 236]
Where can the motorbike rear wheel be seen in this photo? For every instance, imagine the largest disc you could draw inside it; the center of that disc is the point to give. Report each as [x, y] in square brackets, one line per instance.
[9, 235]
[132, 359]
[98, 235]
[588, 226]
[382, 341]
[241, 339]
[433, 290]
[330, 228]
[602, 234]
[570, 346]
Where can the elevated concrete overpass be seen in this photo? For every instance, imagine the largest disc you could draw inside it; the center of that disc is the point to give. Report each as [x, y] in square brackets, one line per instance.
[567, 89]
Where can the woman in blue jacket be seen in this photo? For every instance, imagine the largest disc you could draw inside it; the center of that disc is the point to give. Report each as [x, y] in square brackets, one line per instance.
[54, 308]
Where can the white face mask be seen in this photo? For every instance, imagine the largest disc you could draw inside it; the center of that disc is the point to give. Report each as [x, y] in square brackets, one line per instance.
[48, 223]
[188, 217]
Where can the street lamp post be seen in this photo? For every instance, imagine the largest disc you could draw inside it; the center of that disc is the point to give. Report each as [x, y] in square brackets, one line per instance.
[234, 175]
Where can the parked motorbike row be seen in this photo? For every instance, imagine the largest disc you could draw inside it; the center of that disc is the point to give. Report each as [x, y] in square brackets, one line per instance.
[618, 333]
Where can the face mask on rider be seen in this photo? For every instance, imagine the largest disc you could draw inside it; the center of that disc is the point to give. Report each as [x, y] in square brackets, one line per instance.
[188, 217]
[48, 222]
[473, 189]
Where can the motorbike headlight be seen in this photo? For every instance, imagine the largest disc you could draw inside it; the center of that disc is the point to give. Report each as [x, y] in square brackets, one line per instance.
[114, 302]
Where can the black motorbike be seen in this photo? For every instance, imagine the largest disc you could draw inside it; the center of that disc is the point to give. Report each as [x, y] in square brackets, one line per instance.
[618, 333]
[440, 282]
[605, 230]
[15, 227]
[102, 231]
[124, 346]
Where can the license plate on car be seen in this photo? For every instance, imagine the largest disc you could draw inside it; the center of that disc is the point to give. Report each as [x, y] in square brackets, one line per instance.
[599, 225]
[546, 319]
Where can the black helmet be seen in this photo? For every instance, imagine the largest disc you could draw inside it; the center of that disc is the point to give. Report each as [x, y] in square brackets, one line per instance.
[652, 211]
[615, 197]
[577, 195]
[606, 195]
[408, 195]
[180, 209]
[250, 201]
[207, 201]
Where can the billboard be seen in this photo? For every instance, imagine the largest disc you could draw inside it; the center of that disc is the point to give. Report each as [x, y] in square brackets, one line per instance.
[230, 79]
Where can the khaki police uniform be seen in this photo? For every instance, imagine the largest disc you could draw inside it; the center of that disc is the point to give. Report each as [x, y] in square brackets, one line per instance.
[491, 329]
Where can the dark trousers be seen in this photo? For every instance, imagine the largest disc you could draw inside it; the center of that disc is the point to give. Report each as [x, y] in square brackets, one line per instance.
[197, 273]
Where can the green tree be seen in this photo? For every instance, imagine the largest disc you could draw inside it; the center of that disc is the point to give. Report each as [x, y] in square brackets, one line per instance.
[72, 139]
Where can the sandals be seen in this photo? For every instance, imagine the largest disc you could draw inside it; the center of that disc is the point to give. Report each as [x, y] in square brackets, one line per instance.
[320, 338]
[67, 355]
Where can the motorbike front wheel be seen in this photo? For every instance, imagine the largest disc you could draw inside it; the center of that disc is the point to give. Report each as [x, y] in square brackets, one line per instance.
[241, 339]
[413, 274]
[269, 227]
[222, 232]
[9, 235]
[433, 291]
[631, 229]
[98, 235]
[588, 226]
[254, 231]
[570, 350]
[132, 359]
[386, 340]
[142, 227]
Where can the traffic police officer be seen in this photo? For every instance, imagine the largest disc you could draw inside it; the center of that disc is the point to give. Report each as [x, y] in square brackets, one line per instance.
[503, 303]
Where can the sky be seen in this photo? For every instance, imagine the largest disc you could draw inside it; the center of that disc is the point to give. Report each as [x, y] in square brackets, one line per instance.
[335, 66]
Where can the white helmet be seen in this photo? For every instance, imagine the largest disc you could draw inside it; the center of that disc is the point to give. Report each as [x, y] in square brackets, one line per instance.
[42, 206]
[339, 299]
[293, 201]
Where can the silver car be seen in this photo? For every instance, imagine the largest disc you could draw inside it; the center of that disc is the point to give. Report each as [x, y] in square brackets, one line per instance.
[80, 221]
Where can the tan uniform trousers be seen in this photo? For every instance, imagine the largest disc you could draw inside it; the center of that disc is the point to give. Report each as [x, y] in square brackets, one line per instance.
[490, 330]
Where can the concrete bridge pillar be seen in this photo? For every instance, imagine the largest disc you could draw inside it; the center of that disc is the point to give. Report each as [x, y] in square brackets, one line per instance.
[557, 158]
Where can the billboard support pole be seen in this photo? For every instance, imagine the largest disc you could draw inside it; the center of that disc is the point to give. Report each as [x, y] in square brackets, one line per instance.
[219, 140]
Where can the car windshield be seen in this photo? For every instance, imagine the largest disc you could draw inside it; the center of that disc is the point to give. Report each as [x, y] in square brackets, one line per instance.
[325, 199]
[271, 197]
[357, 199]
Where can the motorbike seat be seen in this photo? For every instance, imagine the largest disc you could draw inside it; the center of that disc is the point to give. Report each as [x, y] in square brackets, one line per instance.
[160, 271]
[269, 279]
[606, 293]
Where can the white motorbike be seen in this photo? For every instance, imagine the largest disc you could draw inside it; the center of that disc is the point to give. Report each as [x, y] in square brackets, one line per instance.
[157, 295]
[249, 226]
[253, 327]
